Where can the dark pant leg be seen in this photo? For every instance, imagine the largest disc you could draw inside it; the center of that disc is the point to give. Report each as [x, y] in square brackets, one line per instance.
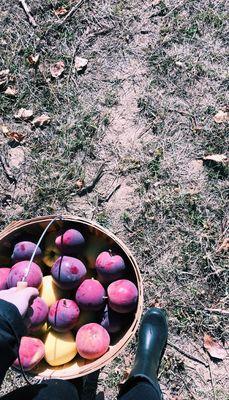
[50, 389]
[140, 390]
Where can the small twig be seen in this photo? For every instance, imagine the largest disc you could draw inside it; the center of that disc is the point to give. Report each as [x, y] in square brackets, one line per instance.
[173, 9]
[204, 309]
[107, 198]
[90, 187]
[26, 8]
[71, 12]
[188, 355]
[145, 131]
[102, 32]
[58, 23]
[182, 112]
[128, 228]
[211, 377]
[186, 113]
[193, 397]
[8, 175]
[217, 311]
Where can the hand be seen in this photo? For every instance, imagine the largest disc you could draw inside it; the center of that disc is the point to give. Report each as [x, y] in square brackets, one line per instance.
[21, 298]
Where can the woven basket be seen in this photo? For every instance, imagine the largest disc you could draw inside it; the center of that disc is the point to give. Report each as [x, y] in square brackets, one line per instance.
[34, 227]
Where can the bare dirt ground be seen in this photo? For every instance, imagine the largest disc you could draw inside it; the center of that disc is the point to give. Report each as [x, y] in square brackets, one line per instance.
[143, 112]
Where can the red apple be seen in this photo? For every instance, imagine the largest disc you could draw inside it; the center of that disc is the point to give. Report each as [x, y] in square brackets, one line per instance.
[122, 296]
[31, 352]
[92, 341]
[109, 267]
[90, 295]
[18, 272]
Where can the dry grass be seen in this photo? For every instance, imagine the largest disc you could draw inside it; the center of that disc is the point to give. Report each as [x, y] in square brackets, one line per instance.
[156, 77]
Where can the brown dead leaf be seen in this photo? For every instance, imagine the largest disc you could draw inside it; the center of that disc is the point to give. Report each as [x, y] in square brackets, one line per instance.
[224, 246]
[11, 91]
[217, 158]
[80, 63]
[60, 11]
[4, 72]
[33, 59]
[57, 69]
[16, 136]
[23, 114]
[159, 303]
[41, 121]
[128, 360]
[197, 127]
[12, 79]
[80, 183]
[42, 69]
[221, 116]
[4, 75]
[4, 129]
[214, 348]
[125, 376]
[192, 191]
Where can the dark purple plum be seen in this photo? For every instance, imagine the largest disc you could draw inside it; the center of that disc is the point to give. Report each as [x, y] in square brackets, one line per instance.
[68, 272]
[70, 242]
[112, 321]
[24, 250]
[37, 315]
[63, 315]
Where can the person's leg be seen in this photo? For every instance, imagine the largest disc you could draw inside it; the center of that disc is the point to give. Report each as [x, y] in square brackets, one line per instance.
[141, 390]
[143, 381]
[50, 389]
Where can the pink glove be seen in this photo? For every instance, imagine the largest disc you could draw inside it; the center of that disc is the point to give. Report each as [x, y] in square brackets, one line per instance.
[21, 298]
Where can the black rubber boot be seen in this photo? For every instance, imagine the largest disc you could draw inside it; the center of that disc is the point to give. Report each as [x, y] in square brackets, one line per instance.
[153, 335]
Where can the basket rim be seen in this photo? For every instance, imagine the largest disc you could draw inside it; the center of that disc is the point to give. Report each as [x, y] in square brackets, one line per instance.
[122, 343]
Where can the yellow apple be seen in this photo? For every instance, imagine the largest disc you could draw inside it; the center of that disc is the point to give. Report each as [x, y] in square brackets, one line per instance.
[49, 292]
[60, 348]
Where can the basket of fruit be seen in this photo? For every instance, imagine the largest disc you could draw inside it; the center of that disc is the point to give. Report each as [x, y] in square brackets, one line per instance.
[90, 293]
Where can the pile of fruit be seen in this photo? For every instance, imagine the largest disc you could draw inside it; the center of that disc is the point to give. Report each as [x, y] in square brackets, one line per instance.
[83, 303]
